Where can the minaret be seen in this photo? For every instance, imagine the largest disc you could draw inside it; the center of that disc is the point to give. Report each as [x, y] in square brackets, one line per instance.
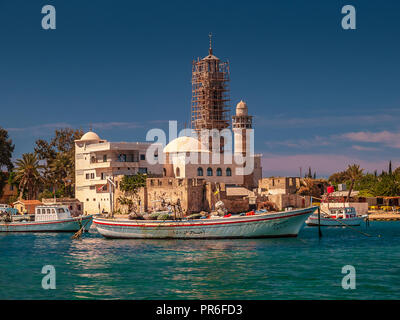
[210, 93]
[241, 124]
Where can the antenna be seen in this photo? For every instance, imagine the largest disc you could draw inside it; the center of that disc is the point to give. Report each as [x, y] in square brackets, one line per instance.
[210, 49]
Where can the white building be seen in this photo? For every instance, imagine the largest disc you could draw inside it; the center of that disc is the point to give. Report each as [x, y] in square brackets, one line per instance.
[216, 166]
[96, 159]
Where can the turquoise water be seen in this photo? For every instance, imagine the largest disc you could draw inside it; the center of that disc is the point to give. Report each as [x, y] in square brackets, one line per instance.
[293, 268]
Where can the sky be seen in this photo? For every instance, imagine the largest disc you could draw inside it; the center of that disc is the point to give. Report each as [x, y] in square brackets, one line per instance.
[321, 96]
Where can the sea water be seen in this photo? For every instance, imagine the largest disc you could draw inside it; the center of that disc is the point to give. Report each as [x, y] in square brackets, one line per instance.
[306, 267]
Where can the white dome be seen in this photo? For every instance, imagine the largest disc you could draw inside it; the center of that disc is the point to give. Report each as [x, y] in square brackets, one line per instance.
[90, 136]
[185, 144]
[241, 109]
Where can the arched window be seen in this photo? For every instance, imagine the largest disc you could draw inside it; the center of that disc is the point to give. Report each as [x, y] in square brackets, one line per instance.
[209, 172]
[200, 172]
[228, 172]
[219, 172]
[178, 172]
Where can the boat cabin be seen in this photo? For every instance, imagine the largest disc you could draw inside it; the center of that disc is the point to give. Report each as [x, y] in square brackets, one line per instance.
[342, 213]
[51, 213]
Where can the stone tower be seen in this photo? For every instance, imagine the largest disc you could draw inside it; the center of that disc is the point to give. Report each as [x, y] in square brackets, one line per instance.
[242, 123]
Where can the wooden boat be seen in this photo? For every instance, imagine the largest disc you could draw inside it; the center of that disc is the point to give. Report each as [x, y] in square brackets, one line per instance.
[278, 224]
[337, 217]
[47, 218]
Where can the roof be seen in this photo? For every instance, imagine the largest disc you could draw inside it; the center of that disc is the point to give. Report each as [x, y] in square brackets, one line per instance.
[28, 202]
[241, 109]
[90, 136]
[210, 57]
[185, 144]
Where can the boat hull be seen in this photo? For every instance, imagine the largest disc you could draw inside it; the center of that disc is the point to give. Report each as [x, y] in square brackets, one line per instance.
[281, 224]
[65, 225]
[329, 222]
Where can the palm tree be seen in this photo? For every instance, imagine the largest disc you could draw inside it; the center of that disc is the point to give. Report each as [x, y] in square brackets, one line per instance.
[353, 173]
[62, 172]
[28, 174]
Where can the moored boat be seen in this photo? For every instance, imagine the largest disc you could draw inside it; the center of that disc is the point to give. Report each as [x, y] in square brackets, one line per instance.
[277, 224]
[336, 217]
[47, 218]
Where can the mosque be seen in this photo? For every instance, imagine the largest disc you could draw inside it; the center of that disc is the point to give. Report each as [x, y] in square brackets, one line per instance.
[207, 158]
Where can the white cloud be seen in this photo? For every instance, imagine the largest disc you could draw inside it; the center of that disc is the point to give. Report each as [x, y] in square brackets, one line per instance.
[387, 138]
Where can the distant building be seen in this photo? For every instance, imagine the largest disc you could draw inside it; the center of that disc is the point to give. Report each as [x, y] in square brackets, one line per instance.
[9, 191]
[279, 185]
[26, 206]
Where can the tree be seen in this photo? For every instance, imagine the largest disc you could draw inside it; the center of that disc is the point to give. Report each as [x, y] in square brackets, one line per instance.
[6, 150]
[131, 184]
[390, 167]
[28, 175]
[59, 157]
[353, 173]
[388, 185]
[338, 177]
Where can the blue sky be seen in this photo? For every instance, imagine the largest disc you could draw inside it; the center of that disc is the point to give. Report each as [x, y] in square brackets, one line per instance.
[321, 96]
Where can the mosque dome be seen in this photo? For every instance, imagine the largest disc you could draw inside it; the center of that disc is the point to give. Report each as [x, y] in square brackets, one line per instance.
[90, 136]
[185, 144]
[241, 109]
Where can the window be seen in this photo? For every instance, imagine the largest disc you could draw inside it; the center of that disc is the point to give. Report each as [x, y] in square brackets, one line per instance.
[219, 172]
[178, 172]
[43, 211]
[92, 176]
[87, 199]
[87, 176]
[104, 158]
[142, 157]
[48, 210]
[209, 172]
[103, 176]
[200, 172]
[228, 172]
[164, 172]
[142, 170]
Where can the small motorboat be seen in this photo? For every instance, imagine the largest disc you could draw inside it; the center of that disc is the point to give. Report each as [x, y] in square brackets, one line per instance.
[337, 217]
[264, 224]
[47, 218]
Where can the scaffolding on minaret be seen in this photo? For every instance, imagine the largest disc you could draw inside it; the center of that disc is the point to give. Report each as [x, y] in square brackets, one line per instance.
[210, 93]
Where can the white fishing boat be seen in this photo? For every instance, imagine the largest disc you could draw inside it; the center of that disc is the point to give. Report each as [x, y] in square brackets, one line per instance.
[278, 224]
[337, 217]
[47, 218]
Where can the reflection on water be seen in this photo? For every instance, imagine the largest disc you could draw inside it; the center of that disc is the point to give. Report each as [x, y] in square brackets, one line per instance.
[295, 268]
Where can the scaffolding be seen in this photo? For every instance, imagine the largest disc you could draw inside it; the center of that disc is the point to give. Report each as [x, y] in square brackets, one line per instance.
[210, 93]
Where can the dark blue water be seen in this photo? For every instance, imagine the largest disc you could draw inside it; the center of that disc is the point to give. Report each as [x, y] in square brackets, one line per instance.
[294, 268]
